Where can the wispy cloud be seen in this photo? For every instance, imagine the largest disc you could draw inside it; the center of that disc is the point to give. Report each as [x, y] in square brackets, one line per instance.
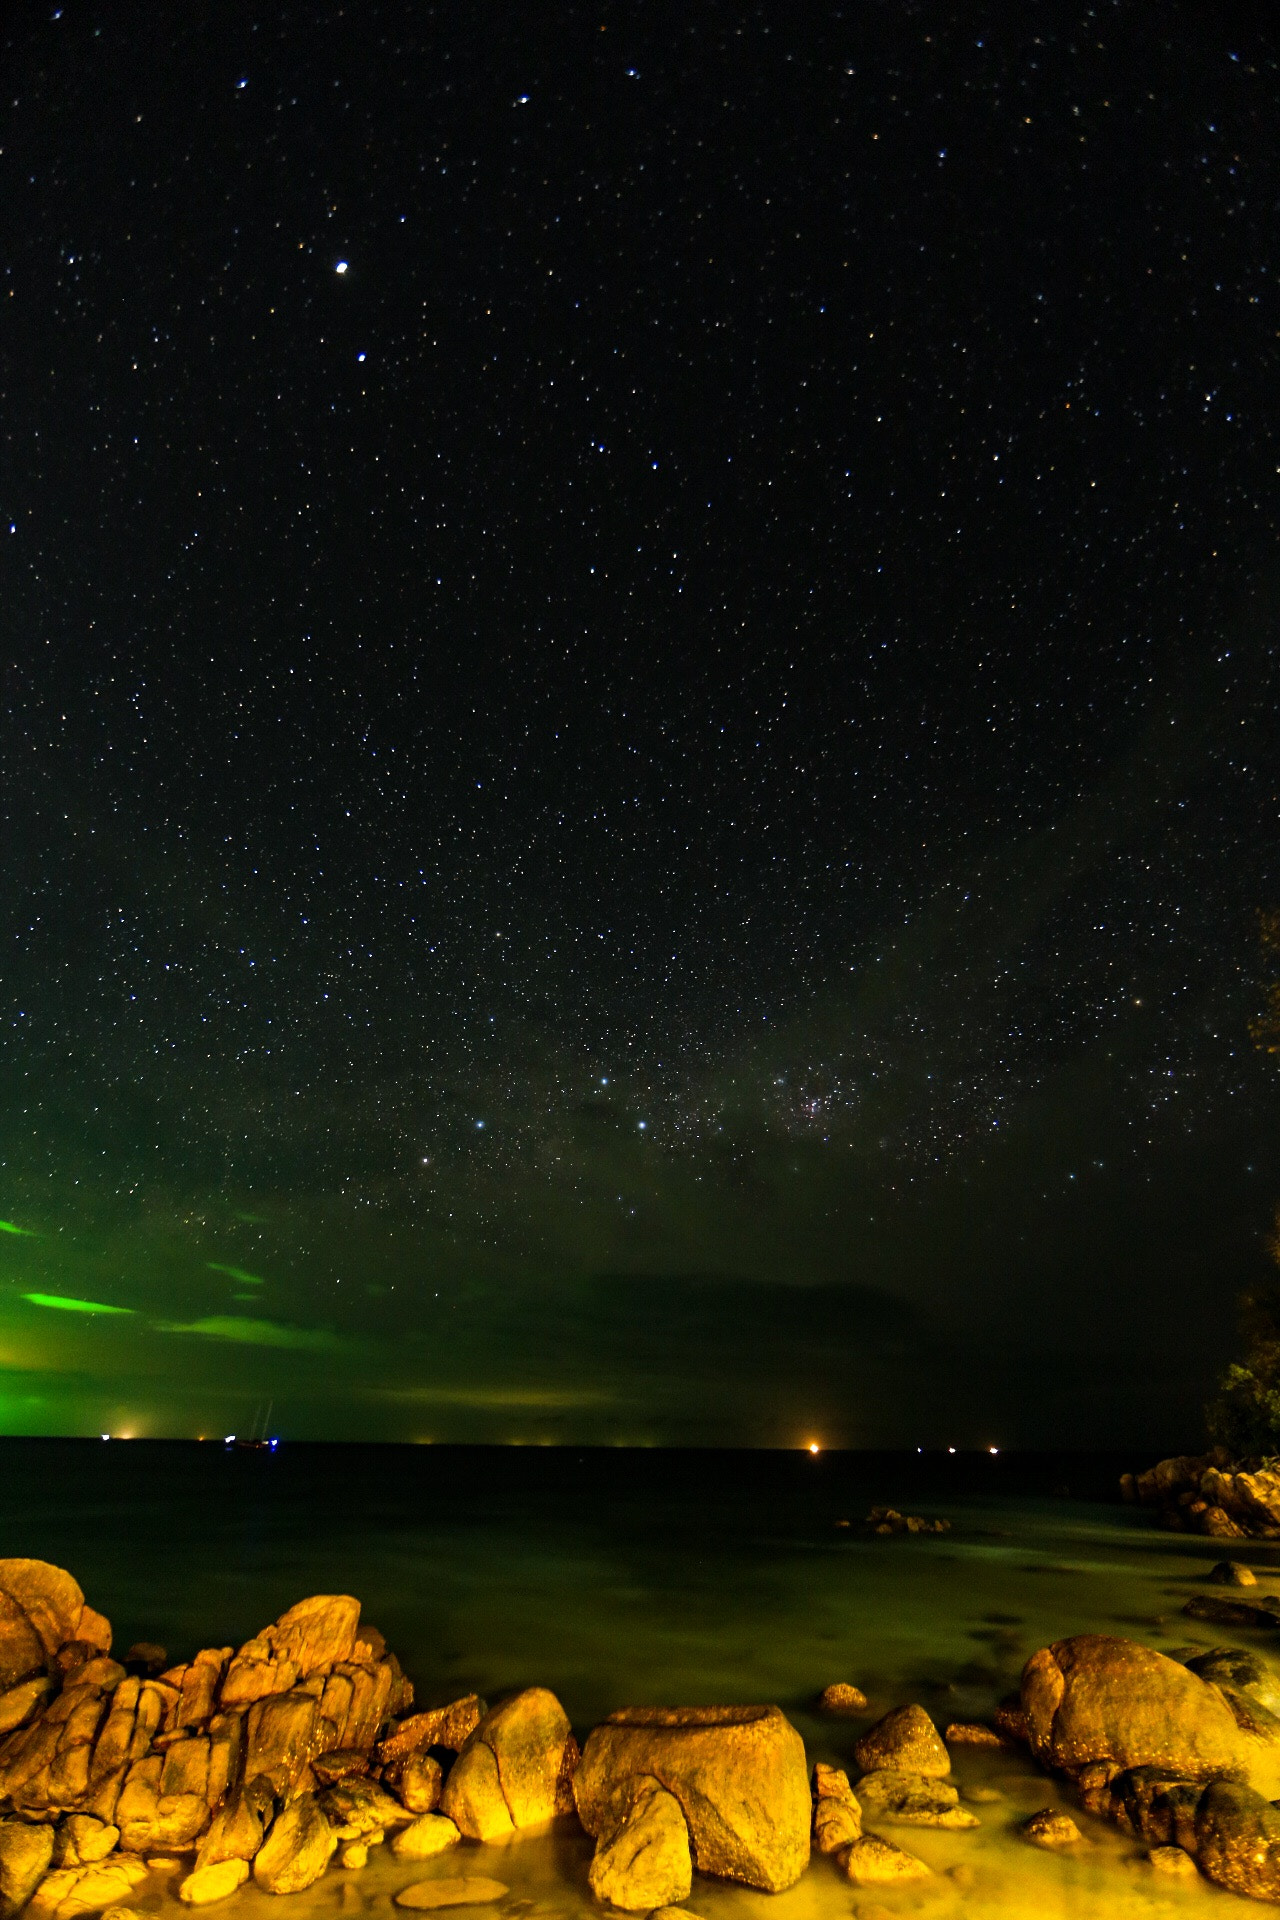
[235, 1273]
[255, 1333]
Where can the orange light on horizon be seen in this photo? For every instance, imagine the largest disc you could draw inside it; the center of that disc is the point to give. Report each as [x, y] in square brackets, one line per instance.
[814, 1447]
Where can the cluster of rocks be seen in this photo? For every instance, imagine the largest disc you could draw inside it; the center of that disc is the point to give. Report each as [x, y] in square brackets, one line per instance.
[885, 1520]
[1205, 1493]
[270, 1759]
[1185, 1756]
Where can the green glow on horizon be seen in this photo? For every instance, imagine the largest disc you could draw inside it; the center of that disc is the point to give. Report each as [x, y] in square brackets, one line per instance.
[66, 1304]
[236, 1273]
[255, 1333]
[24, 1233]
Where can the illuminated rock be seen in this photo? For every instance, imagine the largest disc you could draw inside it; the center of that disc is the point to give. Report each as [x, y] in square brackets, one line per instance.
[905, 1739]
[738, 1773]
[912, 1800]
[1099, 1699]
[514, 1770]
[1052, 1830]
[429, 1833]
[26, 1854]
[449, 1726]
[642, 1858]
[870, 1862]
[207, 1884]
[840, 1697]
[297, 1850]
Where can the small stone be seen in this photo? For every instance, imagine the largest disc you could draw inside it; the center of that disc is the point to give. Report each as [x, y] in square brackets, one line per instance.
[1234, 1573]
[970, 1733]
[419, 1783]
[355, 1854]
[1052, 1830]
[1172, 1860]
[207, 1884]
[429, 1833]
[983, 1796]
[832, 1783]
[835, 1824]
[841, 1697]
[912, 1800]
[871, 1862]
[338, 1763]
[673, 1913]
[462, 1890]
[120, 1913]
[905, 1739]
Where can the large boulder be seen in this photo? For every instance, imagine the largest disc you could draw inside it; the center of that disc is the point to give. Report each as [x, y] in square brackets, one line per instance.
[738, 1773]
[642, 1858]
[26, 1853]
[1238, 1840]
[514, 1770]
[1100, 1701]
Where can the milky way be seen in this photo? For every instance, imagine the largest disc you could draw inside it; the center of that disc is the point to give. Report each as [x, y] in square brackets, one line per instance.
[639, 761]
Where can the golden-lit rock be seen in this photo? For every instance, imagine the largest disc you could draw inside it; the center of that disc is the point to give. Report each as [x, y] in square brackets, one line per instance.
[835, 1824]
[97, 1887]
[738, 1772]
[26, 1854]
[842, 1698]
[338, 1763]
[317, 1632]
[1100, 1698]
[448, 1726]
[207, 1884]
[1174, 1861]
[83, 1840]
[872, 1862]
[22, 1654]
[642, 1858]
[1237, 1836]
[280, 1736]
[905, 1739]
[912, 1800]
[1051, 1830]
[971, 1733]
[357, 1807]
[235, 1833]
[462, 1890]
[353, 1854]
[19, 1703]
[151, 1820]
[50, 1599]
[832, 1783]
[514, 1762]
[297, 1850]
[430, 1833]
[419, 1783]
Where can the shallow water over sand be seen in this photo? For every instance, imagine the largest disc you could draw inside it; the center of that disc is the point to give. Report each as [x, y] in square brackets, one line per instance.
[624, 1578]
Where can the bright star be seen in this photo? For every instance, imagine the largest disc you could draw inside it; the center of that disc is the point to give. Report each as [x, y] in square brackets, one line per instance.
[340, 266]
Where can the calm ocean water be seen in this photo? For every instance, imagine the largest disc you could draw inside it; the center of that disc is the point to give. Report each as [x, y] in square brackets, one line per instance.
[620, 1577]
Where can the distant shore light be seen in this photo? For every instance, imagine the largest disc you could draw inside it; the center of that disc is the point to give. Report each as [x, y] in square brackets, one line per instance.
[814, 1447]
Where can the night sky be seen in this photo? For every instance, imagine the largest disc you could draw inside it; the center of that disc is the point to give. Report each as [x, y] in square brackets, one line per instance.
[638, 748]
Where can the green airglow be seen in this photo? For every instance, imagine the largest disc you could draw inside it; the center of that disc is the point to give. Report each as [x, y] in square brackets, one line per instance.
[254, 1333]
[24, 1233]
[236, 1273]
[65, 1304]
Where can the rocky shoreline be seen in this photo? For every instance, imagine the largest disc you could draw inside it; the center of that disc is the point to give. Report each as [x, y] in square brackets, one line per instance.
[1208, 1493]
[301, 1750]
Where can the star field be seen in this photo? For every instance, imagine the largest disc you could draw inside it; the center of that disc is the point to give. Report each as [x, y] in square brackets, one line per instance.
[639, 747]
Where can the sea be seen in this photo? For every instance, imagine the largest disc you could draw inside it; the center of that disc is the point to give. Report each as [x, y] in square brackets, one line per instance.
[621, 1577]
